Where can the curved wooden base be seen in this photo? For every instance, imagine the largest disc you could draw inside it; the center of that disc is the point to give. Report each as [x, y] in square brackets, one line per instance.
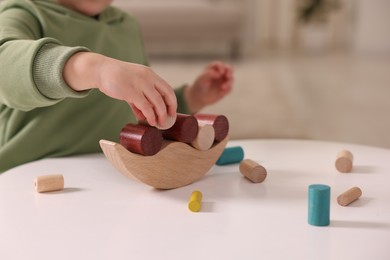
[175, 165]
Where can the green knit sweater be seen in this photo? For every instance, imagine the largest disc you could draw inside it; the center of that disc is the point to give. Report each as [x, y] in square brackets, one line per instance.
[40, 116]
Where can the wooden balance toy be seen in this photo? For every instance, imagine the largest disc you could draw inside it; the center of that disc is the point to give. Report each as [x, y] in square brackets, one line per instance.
[177, 163]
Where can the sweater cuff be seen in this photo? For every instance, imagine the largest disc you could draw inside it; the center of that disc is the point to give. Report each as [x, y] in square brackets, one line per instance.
[181, 103]
[47, 71]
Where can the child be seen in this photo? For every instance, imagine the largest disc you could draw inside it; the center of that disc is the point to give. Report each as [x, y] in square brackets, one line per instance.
[71, 70]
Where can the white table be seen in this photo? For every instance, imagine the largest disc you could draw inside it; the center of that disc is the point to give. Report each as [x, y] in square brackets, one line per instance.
[103, 215]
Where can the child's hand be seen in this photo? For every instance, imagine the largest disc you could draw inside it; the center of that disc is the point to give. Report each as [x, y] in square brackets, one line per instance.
[150, 97]
[214, 83]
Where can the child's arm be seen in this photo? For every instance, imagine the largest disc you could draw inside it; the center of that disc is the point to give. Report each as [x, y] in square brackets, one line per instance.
[31, 66]
[213, 84]
[150, 97]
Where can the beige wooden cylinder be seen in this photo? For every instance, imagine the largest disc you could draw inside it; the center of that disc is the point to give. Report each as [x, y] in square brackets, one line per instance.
[49, 183]
[169, 122]
[253, 171]
[344, 161]
[349, 196]
[205, 138]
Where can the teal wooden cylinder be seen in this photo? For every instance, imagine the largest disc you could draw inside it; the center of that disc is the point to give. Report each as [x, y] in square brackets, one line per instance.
[319, 205]
[231, 155]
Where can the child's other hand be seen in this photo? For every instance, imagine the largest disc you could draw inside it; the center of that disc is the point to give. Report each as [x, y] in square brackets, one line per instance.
[149, 96]
[213, 84]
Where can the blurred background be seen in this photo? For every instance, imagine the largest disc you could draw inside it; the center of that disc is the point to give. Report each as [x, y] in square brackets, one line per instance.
[309, 69]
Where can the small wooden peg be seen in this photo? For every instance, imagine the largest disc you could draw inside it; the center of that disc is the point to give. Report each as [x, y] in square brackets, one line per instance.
[49, 183]
[184, 130]
[344, 161]
[205, 138]
[253, 171]
[141, 139]
[349, 196]
[219, 122]
[231, 155]
[195, 202]
[319, 205]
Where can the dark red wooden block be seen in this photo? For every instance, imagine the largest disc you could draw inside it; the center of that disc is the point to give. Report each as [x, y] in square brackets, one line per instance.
[141, 139]
[184, 130]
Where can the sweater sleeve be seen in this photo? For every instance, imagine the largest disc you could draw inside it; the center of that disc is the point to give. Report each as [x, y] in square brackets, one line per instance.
[31, 67]
[181, 103]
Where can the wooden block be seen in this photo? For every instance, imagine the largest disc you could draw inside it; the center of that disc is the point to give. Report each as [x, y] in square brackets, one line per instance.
[168, 123]
[141, 139]
[47, 183]
[349, 196]
[176, 165]
[319, 205]
[344, 161]
[219, 122]
[195, 202]
[205, 138]
[184, 130]
[231, 155]
[253, 171]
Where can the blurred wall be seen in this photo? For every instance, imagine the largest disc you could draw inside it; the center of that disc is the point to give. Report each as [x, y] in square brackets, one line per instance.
[355, 25]
[350, 25]
[372, 21]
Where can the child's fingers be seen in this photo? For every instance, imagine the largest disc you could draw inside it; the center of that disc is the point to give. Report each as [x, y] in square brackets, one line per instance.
[158, 103]
[147, 110]
[212, 73]
[172, 110]
[220, 70]
[217, 71]
[169, 97]
[138, 114]
[229, 72]
[218, 65]
[226, 87]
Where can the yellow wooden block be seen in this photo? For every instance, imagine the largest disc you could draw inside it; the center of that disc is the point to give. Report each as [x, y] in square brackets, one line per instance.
[195, 201]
